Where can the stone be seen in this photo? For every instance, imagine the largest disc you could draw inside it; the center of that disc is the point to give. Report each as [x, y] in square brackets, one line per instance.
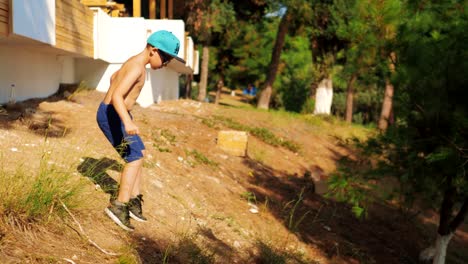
[233, 142]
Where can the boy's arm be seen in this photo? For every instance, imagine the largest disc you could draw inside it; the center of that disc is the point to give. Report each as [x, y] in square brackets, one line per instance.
[122, 88]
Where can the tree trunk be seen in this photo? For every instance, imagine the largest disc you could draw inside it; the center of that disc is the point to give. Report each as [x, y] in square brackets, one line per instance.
[265, 94]
[386, 106]
[438, 252]
[219, 88]
[350, 99]
[204, 74]
[447, 225]
[324, 97]
[188, 86]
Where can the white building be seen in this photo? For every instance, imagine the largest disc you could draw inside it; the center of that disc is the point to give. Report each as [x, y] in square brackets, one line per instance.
[45, 43]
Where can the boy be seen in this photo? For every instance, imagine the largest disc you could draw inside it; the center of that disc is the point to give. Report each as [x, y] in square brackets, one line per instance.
[116, 122]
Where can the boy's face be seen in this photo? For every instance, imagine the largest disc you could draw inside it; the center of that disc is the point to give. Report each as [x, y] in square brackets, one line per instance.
[159, 59]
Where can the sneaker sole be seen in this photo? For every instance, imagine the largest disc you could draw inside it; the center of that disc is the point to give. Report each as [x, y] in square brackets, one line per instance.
[136, 217]
[117, 220]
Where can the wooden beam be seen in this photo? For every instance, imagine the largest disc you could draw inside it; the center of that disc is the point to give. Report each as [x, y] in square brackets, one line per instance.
[163, 9]
[152, 9]
[170, 9]
[136, 8]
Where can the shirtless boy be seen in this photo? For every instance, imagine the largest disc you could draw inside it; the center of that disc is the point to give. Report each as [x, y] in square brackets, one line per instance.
[116, 122]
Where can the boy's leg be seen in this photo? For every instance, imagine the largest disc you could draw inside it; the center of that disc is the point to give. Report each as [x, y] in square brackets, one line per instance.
[136, 186]
[130, 176]
[119, 211]
[136, 200]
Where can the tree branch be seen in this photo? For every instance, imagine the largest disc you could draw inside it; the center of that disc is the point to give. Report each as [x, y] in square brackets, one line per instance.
[84, 233]
[460, 217]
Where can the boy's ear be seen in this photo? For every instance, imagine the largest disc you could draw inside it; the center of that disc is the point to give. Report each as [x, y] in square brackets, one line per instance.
[153, 51]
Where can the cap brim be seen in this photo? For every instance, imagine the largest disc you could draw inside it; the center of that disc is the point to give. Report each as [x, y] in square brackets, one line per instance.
[179, 65]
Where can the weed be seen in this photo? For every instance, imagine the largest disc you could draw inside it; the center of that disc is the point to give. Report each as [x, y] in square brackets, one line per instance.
[179, 199]
[33, 198]
[249, 196]
[293, 224]
[167, 134]
[209, 123]
[200, 158]
[127, 258]
[163, 140]
[167, 254]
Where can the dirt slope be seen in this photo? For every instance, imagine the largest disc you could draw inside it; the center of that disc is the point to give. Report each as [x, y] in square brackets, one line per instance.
[199, 199]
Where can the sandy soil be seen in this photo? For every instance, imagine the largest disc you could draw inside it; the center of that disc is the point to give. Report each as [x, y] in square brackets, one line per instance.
[200, 212]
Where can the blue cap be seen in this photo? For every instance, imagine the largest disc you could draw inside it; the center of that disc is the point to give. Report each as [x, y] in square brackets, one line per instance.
[165, 41]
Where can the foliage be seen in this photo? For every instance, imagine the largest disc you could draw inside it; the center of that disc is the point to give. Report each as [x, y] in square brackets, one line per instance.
[368, 30]
[426, 149]
[430, 141]
[251, 53]
[206, 18]
[324, 43]
[295, 79]
[367, 103]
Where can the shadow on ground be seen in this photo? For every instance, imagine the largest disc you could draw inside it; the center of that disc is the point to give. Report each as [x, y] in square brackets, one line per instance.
[330, 225]
[185, 250]
[27, 113]
[96, 170]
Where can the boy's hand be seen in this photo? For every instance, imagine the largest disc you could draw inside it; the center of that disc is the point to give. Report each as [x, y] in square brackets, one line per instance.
[131, 128]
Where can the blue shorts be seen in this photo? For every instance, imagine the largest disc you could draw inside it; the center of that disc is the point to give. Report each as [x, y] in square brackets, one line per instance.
[129, 147]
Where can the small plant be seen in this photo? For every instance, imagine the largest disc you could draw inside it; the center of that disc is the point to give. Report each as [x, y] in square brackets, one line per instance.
[163, 140]
[209, 122]
[344, 186]
[293, 224]
[249, 197]
[201, 158]
[32, 198]
[126, 260]
[167, 134]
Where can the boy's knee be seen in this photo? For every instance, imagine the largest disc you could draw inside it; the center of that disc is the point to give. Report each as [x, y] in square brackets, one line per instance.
[135, 163]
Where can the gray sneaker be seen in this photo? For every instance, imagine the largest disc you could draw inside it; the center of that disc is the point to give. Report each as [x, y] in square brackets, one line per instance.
[134, 208]
[118, 212]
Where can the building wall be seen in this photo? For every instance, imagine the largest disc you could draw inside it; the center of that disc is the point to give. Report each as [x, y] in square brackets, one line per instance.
[34, 74]
[34, 19]
[4, 17]
[159, 85]
[74, 27]
[40, 53]
[117, 39]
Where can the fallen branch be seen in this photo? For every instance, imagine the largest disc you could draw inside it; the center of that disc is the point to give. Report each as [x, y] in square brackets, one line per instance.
[69, 261]
[84, 233]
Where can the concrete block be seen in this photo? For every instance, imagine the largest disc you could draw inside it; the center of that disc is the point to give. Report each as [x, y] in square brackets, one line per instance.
[233, 142]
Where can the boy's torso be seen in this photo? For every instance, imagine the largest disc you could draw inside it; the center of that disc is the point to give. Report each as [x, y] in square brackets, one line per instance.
[134, 90]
